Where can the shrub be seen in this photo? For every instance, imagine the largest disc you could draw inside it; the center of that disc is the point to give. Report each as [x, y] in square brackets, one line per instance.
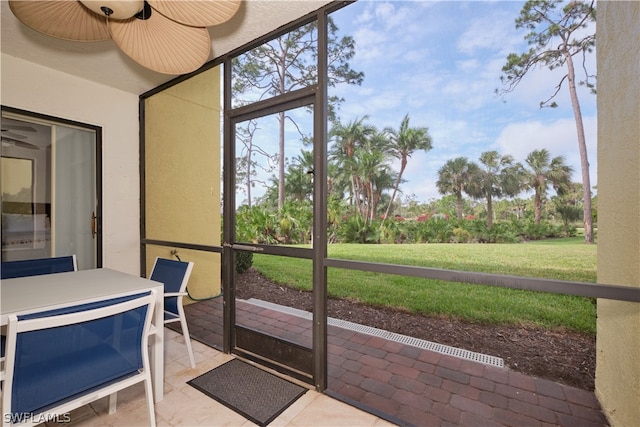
[544, 230]
[460, 235]
[500, 232]
[434, 230]
[243, 261]
[357, 230]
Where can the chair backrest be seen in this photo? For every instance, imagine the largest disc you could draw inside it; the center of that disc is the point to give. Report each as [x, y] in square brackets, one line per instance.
[175, 275]
[58, 355]
[37, 267]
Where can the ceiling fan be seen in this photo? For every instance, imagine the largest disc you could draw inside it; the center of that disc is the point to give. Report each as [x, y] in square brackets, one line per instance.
[167, 36]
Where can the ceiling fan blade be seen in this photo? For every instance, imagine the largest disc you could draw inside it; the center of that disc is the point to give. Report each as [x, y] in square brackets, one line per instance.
[18, 127]
[68, 20]
[197, 13]
[21, 144]
[162, 45]
[8, 133]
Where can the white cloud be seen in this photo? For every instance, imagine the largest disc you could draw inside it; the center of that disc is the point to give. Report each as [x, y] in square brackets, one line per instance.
[519, 139]
[365, 16]
[490, 31]
[468, 65]
[387, 14]
[417, 56]
[400, 16]
[369, 44]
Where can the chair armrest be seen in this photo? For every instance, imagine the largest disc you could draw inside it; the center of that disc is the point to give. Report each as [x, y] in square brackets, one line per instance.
[175, 294]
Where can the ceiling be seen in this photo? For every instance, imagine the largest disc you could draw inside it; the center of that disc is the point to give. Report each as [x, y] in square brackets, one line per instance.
[104, 63]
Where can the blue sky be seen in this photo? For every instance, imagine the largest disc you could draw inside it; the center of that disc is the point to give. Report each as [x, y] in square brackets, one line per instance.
[440, 62]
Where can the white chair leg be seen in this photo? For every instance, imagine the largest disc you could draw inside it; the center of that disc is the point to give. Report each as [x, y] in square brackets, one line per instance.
[187, 340]
[148, 391]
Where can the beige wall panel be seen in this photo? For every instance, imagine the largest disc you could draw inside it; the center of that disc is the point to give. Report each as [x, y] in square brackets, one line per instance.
[182, 174]
[618, 333]
[182, 160]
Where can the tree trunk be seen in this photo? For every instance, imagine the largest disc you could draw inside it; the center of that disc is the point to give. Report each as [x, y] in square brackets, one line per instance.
[582, 146]
[537, 202]
[403, 165]
[371, 214]
[459, 204]
[489, 211]
[356, 195]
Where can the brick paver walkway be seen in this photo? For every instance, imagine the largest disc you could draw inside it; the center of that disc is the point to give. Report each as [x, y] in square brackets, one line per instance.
[412, 386]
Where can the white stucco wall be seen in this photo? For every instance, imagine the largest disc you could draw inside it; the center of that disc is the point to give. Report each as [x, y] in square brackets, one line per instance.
[31, 87]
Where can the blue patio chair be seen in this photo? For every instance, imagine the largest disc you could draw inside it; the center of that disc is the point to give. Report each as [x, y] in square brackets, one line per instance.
[59, 360]
[175, 275]
[36, 267]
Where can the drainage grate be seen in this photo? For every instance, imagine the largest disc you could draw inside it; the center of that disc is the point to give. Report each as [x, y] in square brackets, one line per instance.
[392, 336]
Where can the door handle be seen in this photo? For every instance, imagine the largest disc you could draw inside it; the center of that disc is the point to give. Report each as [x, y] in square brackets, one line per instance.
[93, 225]
[243, 247]
[247, 248]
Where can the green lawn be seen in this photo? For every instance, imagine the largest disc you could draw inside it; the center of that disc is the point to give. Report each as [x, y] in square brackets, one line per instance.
[563, 259]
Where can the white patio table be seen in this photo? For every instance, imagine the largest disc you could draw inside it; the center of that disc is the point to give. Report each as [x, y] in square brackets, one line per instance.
[51, 291]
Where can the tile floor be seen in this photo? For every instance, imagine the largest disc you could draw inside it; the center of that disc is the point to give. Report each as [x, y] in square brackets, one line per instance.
[183, 405]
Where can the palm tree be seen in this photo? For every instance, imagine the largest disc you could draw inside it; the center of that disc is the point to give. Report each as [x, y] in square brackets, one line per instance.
[373, 171]
[543, 171]
[338, 181]
[348, 139]
[404, 142]
[454, 178]
[499, 177]
[298, 183]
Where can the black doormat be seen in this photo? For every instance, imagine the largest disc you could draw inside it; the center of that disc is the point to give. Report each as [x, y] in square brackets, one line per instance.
[255, 394]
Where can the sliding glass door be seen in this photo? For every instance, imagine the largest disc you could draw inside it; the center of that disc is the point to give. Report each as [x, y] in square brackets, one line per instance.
[50, 195]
